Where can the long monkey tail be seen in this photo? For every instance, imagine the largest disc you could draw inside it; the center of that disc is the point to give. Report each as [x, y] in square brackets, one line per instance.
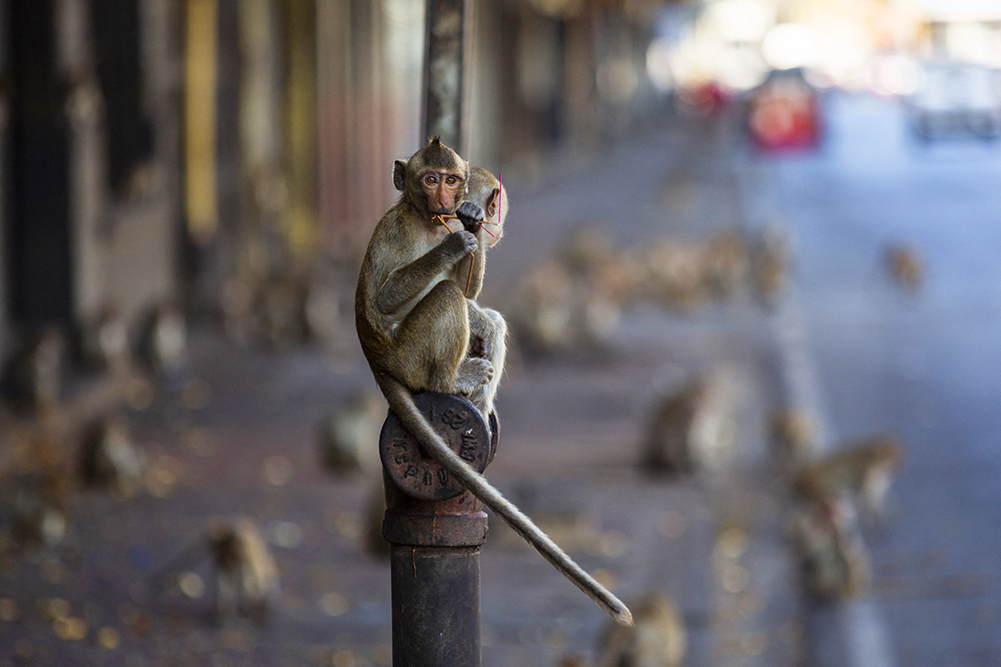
[402, 403]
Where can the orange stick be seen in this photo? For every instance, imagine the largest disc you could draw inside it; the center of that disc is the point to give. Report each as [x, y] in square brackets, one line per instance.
[472, 257]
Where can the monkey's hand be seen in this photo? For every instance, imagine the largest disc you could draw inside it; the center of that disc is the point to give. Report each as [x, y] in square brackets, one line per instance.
[470, 214]
[459, 244]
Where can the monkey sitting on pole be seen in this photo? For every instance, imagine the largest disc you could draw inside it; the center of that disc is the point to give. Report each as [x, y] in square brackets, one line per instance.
[414, 322]
[411, 310]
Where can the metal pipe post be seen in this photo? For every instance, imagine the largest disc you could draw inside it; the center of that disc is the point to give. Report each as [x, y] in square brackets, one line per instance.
[436, 606]
[436, 528]
[442, 111]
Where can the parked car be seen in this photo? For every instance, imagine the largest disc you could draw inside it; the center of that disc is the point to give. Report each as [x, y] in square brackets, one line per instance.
[785, 112]
[957, 99]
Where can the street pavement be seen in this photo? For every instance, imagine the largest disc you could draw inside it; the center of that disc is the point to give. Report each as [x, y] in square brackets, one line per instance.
[922, 365]
[237, 435]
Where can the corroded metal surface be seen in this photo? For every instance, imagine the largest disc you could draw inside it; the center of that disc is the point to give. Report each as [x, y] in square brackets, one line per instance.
[414, 471]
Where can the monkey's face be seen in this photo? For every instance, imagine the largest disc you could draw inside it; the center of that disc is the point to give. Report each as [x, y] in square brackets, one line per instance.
[442, 188]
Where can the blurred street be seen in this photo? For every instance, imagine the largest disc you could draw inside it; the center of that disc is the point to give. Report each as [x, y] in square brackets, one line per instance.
[237, 434]
[878, 359]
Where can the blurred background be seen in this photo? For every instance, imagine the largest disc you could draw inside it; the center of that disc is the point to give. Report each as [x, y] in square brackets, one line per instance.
[749, 270]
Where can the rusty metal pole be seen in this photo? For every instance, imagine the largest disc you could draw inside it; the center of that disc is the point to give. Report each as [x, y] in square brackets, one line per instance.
[444, 23]
[435, 528]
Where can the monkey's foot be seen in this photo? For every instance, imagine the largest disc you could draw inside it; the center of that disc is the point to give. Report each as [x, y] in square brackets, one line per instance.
[473, 373]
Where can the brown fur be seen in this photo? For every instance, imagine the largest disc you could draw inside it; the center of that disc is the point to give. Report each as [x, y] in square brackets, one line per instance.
[487, 328]
[863, 469]
[410, 311]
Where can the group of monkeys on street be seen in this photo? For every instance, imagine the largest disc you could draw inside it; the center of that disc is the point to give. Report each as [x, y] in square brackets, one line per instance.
[40, 424]
[419, 323]
[690, 431]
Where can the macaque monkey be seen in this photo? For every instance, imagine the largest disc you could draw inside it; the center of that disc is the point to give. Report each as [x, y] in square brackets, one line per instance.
[108, 458]
[349, 434]
[163, 339]
[905, 266]
[770, 265]
[690, 429]
[246, 574]
[38, 503]
[104, 341]
[833, 558]
[32, 377]
[542, 313]
[413, 323]
[411, 309]
[487, 328]
[863, 470]
[793, 434]
[657, 640]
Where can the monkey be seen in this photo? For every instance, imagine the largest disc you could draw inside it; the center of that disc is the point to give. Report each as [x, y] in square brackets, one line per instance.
[834, 560]
[542, 314]
[31, 381]
[487, 328]
[349, 434]
[162, 341]
[688, 428]
[413, 325]
[38, 503]
[247, 580]
[411, 313]
[863, 470]
[107, 457]
[658, 638]
[726, 264]
[770, 265]
[586, 249]
[555, 311]
[247, 577]
[793, 434]
[103, 341]
[674, 274]
[668, 444]
[36, 490]
[905, 266]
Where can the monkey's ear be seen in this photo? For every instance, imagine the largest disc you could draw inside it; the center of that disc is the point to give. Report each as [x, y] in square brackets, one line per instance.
[399, 174]
[493, 201]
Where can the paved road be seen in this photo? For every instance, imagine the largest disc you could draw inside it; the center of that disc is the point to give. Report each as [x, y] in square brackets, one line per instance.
[922, 365]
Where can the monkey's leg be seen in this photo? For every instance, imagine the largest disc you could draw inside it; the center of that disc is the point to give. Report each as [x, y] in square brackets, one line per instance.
[490, 326]
[429, 347]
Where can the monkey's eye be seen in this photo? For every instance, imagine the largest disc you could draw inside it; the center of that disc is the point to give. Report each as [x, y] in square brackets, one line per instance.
[431, 179]
[452, 180]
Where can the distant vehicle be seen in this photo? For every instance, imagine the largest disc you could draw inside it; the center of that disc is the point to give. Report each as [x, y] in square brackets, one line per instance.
[957, 99]
[785, 112]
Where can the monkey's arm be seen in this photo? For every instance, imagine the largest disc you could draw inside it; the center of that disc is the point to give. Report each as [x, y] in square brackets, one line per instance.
[407, 281]
[474, 280]
[401, 403]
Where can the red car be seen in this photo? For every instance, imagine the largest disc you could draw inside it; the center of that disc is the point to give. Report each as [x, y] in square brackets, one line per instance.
[785, 112]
